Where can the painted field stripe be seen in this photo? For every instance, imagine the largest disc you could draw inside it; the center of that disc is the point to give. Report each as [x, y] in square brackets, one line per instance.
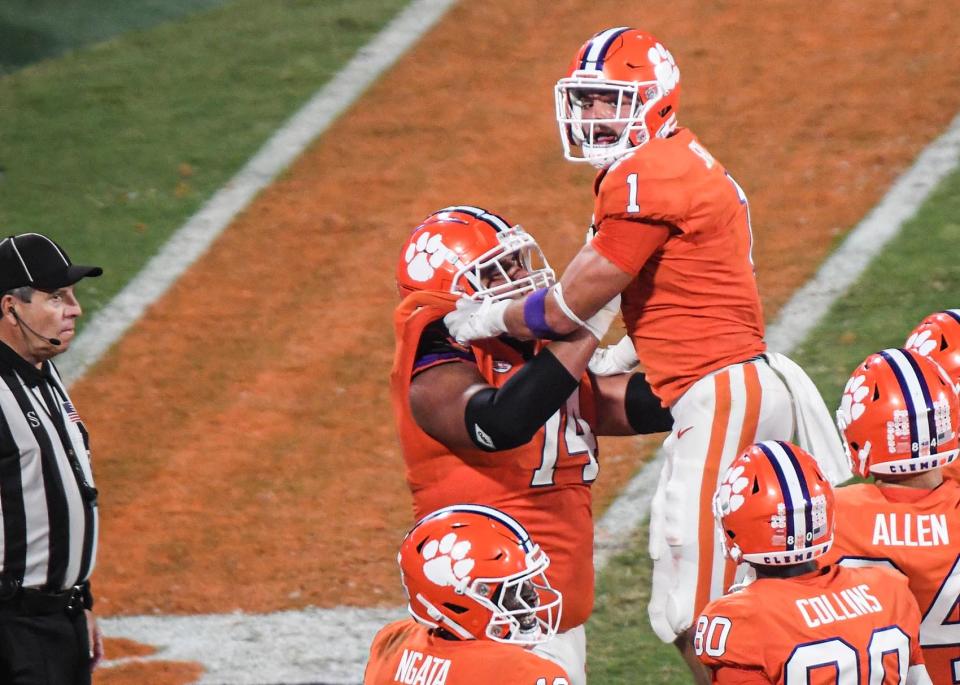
[803, 312]
[305, 646]
[193, 239]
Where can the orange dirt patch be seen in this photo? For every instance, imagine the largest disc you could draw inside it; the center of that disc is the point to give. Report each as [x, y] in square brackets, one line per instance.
[120, 647]
[135, 672]
[152, 672]
[242, 431]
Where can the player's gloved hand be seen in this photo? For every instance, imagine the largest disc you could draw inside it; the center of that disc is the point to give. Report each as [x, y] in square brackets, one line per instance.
[615, 359]
[599, 323]
[473, 320]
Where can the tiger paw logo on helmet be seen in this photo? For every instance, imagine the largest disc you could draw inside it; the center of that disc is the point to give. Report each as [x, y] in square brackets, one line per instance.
[426, 256]
[664, 66]
[452, 568]
[921, 343]
[729, 498]
[851, 404]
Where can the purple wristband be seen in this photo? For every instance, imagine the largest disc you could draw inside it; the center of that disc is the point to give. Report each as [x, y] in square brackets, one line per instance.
[535, 315]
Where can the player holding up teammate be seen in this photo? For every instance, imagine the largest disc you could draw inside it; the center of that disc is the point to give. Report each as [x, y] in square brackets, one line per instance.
[673, 235]
[506, 423]
[797, 624]
[478, 596]
[899, 417]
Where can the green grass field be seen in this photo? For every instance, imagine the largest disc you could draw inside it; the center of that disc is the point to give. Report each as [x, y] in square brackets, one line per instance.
[918, 273]
[31, 30]
[111, 148]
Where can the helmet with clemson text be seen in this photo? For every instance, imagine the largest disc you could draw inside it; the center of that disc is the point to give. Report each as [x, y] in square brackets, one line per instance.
[774, 507]
[468, 250]
[938, 337]
[621, 90]
[473, 571]
[898, 415]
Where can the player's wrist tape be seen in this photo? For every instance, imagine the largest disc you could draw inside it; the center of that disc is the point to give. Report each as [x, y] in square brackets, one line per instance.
[507, 417]
[567, 312]
[643, 409]
[535, 315]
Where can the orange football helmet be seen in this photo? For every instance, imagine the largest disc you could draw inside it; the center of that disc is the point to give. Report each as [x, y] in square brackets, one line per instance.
[636, 73]
[898, 414]
[474, 572]
[774, 507]
[938, 337]
[458, 249]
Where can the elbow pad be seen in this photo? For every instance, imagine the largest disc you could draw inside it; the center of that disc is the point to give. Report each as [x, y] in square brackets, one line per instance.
[643, 408]
[503, 418]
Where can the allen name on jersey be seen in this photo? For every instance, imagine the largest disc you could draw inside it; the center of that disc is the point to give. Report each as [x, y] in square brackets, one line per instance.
[910, 530]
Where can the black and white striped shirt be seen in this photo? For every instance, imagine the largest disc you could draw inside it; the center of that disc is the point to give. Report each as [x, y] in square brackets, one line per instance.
[48, 522]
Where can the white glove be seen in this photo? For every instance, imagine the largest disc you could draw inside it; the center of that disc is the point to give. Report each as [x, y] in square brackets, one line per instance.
[615, 359]
[473, 320]
[599, 323]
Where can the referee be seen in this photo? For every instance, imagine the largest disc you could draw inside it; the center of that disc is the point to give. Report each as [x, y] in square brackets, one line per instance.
[48, 521]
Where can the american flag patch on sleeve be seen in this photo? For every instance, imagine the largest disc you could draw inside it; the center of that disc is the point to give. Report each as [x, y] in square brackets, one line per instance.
[71, 411]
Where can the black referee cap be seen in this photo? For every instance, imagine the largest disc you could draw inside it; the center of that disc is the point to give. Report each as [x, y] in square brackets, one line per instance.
[31, 259]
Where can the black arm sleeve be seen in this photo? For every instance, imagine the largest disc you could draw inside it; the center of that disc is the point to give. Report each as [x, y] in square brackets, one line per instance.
[504, 418]
[643, 407]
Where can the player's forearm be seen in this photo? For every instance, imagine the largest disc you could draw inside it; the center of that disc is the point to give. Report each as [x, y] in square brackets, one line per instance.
[538, 317]
[502, 418]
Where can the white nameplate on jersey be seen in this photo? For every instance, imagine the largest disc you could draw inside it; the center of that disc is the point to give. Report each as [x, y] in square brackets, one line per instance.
[849, 603]
[908, 530]
[416, 668]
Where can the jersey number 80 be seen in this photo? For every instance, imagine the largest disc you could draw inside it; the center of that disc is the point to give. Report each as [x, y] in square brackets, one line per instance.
[831, 654]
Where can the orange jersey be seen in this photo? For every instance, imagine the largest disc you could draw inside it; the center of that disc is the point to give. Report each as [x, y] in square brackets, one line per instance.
[405, 652]
[693, 307]
[952, 471]
[801, 631]
[918, 533]
[544, 484]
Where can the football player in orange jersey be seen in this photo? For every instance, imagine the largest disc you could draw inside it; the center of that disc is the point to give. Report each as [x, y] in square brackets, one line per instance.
[501, 422]
[797, 624]
[938, 337]
[673, 235]
[478, 596]
[899, 417]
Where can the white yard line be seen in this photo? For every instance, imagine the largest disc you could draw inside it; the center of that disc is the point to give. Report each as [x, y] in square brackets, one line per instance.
[310, 646]
[804, 311]
[194, 238]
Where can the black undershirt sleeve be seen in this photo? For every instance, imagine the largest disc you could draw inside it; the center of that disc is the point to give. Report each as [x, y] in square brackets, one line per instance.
[507, 417]
[643, 408]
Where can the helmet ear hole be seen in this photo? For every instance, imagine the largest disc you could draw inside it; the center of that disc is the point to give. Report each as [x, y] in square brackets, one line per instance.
[855, 446]
[456, 608]
[943, 344]
[756, 488]
[876, 392]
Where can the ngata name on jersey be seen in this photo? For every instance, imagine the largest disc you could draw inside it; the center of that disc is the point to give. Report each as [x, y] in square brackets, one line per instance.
[848, 603]
[911, 530]
[417, 669]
